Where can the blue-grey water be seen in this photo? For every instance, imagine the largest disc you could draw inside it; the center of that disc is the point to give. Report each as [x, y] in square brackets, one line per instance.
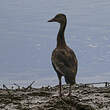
[27, 39]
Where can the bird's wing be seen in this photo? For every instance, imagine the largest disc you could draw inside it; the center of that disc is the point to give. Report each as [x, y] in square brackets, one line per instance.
[65, 63]
[74, 61]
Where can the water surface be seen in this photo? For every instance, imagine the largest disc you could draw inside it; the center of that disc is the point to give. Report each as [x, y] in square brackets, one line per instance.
[27, 39]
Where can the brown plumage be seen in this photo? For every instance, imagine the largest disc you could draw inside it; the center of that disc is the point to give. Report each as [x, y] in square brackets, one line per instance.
[63, 58]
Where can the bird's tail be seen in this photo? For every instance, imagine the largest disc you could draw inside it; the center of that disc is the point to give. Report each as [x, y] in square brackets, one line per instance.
[70, 80]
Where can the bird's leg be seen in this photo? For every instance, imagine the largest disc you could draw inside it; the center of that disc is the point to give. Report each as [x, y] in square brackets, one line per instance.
[60, 87]
[69, 90]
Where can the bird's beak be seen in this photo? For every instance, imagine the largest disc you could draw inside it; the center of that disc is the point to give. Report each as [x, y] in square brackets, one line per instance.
[51, 20]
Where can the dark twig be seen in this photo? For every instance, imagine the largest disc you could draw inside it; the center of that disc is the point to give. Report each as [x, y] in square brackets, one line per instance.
[4, 86]
[106, 83]
[17, 86]
[30, 86]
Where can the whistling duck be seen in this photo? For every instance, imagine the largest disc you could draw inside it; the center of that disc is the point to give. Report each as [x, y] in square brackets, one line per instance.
[63, 58]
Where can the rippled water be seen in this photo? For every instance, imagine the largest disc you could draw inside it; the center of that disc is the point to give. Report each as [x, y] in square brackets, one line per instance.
[27, 39]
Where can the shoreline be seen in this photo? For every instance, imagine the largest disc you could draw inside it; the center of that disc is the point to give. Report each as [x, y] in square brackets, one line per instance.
[46, 98]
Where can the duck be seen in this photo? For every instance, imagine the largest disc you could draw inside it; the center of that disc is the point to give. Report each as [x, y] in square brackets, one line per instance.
[63, 58]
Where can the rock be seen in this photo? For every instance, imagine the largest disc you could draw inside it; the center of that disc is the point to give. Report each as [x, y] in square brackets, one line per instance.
[82, 106]
[46, 98]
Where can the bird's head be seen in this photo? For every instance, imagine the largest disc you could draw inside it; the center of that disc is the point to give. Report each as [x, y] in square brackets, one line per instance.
[60, 18]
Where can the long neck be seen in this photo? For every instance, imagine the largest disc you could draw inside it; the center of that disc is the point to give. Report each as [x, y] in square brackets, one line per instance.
[60, 37]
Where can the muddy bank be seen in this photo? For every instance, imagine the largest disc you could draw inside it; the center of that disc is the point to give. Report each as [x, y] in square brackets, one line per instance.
[46, 98]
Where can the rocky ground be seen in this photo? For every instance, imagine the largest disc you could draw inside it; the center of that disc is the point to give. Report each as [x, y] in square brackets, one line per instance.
[46, 98]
